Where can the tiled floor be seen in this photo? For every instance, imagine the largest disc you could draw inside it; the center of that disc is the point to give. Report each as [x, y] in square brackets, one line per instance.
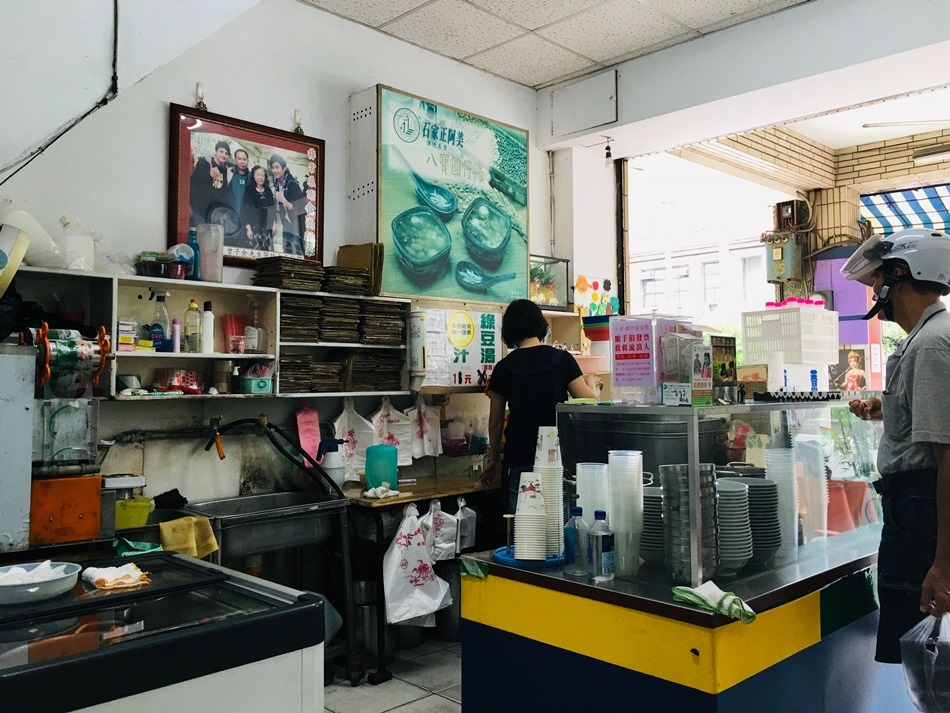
[426, 679]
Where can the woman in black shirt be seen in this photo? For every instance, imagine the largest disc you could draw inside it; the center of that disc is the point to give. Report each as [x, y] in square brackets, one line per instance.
[259, 211]
[531, 380]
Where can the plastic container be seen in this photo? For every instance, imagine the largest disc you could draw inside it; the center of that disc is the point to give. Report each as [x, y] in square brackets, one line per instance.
[256, 384]
[575, 544]
[802, 335]
[601, 549]
[207, 329]
[160, 329]
[195, 273]
[176, 335]
[191, 326]
[381, 461]
[132, 512]
[210, 238]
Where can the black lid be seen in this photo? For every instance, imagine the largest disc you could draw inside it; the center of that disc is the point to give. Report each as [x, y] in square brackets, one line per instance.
[208, 306]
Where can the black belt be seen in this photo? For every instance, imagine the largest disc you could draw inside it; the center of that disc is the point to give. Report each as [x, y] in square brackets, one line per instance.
[905, 479]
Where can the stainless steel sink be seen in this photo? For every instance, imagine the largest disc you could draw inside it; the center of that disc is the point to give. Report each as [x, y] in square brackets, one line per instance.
[252, 524]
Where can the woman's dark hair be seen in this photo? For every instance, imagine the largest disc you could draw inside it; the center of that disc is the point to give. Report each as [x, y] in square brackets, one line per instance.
[257, 167]
[522, 319]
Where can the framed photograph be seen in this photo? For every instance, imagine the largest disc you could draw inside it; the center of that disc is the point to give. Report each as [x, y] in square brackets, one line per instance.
[264, 186]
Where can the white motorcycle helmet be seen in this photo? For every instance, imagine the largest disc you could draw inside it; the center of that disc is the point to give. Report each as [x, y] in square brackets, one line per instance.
[926, 253]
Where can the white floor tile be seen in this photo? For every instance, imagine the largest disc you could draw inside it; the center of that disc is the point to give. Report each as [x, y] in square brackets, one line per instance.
[454, 693]
[430, 704]
[415, 652]
[342, 698]
[435, 672]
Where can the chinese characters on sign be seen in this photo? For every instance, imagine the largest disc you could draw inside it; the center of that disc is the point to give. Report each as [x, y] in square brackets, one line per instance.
[632, 353]
[461, 347]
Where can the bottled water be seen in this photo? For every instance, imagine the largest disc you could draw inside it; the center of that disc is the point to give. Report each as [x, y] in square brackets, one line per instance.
[575, 544]
[600, 549]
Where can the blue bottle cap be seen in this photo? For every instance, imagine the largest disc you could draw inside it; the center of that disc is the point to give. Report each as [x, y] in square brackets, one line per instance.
[576, 510]
[600, 515]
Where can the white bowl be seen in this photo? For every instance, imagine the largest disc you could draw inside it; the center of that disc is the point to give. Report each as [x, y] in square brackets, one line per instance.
[39, 591]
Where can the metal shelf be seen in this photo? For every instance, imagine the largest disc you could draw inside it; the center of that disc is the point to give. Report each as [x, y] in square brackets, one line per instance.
[347, 345]
[191, 355]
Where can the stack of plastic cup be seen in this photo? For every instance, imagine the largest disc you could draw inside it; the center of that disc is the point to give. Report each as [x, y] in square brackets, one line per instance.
[530, 536]
[548, 449]
[592, 492]
[780, 467]
[552, 484]
[625, 514]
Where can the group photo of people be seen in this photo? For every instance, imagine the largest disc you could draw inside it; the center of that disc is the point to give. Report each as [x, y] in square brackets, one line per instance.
[259, 194]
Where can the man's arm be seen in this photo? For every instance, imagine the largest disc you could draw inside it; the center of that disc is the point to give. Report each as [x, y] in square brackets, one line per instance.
[935, 591]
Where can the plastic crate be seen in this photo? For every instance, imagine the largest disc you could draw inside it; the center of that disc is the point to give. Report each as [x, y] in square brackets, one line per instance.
[256, 384]
[804, 335]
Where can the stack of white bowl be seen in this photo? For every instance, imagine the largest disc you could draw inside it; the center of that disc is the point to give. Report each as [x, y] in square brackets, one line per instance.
[677, 532]
[651, 538]
[780, 467]
[625, 516]
[763, 518]
[552, 484]
[735, 531]
[592, 490]
[530, 519]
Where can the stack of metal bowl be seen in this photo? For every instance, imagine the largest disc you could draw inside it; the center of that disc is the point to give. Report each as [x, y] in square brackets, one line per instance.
[674, 479]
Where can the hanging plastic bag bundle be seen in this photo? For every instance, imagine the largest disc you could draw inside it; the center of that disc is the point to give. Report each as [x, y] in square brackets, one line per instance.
[357, 433]
[441, 532]
[466, 527]
[425, 435]
[392, 427]
[925, 652]
[412, 588]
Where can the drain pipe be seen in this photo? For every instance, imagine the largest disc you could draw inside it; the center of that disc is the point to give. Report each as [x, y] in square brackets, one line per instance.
[550, 200]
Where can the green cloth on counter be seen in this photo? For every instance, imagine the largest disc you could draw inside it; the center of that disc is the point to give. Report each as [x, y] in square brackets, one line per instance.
[711, 598]
[127, 548]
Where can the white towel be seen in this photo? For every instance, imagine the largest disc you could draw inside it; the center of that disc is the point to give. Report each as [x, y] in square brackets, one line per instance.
[711, 598]
[43, 572]
[128, 575]
[379, 492]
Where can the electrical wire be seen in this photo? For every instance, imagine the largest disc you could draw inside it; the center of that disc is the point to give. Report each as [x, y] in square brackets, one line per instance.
[111, 93]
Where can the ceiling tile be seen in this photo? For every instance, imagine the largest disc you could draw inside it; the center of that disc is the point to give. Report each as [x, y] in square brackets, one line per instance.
[369, 12]
[707, 16]
[611, 29]
[452, 28]
[530, 60]
[535, 13]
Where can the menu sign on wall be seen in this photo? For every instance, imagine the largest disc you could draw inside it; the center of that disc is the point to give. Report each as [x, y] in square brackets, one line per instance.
[461, 347]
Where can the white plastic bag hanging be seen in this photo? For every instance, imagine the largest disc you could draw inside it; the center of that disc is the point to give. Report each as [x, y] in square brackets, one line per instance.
[426, 439]
[357, 434]
[410, 583]
[466, 525]
[441, 532]
[925, 652]
[392, 427]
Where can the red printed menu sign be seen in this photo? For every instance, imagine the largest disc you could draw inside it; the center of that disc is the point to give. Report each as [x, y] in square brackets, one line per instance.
[632, 352]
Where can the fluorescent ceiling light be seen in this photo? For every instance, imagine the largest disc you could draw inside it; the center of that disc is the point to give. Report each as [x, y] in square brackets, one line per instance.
[884, 124]
[935, 155]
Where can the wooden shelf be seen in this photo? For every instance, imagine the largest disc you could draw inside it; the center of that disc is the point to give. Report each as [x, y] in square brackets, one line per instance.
[192, 355]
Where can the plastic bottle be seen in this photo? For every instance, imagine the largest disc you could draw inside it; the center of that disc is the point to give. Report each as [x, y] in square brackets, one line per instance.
[159, 330]
[236, 381]
[575, 544]
[211, 243]
[176, 335]
[191, 325]
[193, 243]
[600, 567]
[207, 330]
[255, 338]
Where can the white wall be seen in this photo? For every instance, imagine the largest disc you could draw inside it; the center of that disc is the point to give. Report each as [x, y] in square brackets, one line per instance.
[111, 170]
[281, 55]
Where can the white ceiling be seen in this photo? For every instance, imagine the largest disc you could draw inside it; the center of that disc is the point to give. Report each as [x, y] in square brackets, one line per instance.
[542, 42]
[539, 43]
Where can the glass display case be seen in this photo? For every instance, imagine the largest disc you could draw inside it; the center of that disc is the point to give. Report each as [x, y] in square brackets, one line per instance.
[755, 496]
[549, 282]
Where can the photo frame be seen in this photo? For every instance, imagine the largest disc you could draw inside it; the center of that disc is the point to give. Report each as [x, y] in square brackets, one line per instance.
[269, 201]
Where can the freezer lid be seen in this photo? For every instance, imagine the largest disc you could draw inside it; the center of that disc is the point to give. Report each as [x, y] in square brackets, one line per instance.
[157, 638]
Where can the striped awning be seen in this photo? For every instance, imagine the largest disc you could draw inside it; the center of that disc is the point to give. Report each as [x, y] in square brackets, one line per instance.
[898, 210]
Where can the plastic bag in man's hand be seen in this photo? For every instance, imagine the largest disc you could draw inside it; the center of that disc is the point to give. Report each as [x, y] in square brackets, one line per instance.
[925, 651]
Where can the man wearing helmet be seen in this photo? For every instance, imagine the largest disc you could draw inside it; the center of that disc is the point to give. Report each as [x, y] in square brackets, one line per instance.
[908, 272]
